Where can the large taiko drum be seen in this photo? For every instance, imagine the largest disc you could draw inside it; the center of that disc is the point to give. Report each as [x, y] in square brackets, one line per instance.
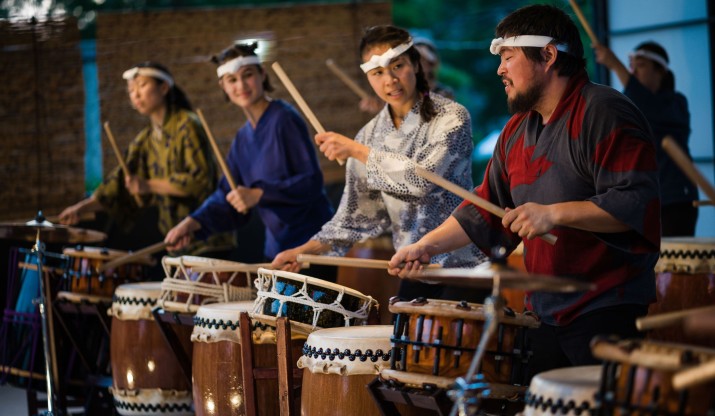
[565, 391]
[84, 270]
[439, 337]
[638, 378]
[337, 365]
[685, 279]
[308, 302]
[146, 377]
[193, 281]
[217, 366]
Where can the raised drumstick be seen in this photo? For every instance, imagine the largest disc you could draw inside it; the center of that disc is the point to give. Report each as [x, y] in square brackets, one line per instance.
[584, 22]
[471, 197]
[299, 100]
[120, 159]
[217, 152]
[346, 79]
[703, 203]
[681, 159]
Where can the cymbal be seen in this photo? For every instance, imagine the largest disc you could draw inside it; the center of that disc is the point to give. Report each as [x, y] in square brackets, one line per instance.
[49, 233]
[484, 277]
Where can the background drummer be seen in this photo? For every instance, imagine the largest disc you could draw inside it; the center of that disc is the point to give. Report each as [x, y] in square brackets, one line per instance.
[272, 161]
[382, 192]
[169, 161]
[577, 160]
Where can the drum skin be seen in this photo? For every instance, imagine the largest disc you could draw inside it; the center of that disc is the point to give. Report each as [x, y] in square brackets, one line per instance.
[684, 280]
[218, 383]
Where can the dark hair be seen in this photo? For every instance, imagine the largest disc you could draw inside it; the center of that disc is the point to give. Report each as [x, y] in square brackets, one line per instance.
[241, 49]
[668, 82]
[545, 20]
[395, 36]
[175, 99]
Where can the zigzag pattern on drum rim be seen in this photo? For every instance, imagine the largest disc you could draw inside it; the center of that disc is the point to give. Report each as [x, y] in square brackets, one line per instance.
[688, 254]
[558, 407]
[358, 354]
[220, 324]
[174, 407]
[133, 301]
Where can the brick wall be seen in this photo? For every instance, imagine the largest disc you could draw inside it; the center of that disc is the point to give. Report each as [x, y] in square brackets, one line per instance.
[41, 117]
[305, 36]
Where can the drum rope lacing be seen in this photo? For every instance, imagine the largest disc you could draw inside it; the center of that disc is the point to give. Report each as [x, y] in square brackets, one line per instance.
[180, 281]
[302, 297]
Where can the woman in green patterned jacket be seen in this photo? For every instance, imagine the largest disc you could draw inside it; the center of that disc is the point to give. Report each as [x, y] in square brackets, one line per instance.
[169, 162]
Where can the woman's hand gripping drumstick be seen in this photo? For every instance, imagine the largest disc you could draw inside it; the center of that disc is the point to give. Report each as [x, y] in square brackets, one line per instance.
[471, 197]
[584, 22]
[222, 161]
[300, 101]
[120, 159]
[673, 150]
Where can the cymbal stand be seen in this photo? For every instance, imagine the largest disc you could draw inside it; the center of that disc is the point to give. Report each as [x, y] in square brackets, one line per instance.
[470, 389]
[39, 249]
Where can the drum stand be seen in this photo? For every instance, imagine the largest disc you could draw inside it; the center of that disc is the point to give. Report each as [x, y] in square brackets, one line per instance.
[50, 370]
[469, 390]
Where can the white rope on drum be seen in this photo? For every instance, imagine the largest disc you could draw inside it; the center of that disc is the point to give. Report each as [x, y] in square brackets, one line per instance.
[303, 298]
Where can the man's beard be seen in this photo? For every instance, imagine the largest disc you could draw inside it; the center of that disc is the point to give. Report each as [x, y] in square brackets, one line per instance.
[527, 100]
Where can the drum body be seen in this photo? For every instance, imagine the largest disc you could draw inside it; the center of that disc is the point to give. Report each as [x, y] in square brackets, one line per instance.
[308, 302]
[217, 365]
[85, 277]
[685, 279]
[337, 365]
[639, 379]
[564, 391]
[193, 281]
[439, 337]
[146, 376]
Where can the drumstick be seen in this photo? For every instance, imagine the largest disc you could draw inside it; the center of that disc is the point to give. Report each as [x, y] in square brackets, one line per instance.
[668, 319]
[346, 79]
[217, 152]
[146, 251]
[673, 150]
[471, 197]
[85, 216]
[703, 203]
[120, 159]
[351, 262]
[299, 100]
[694, 376]
[584, 22]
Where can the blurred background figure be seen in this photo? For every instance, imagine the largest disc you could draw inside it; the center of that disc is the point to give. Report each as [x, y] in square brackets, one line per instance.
[650, 84]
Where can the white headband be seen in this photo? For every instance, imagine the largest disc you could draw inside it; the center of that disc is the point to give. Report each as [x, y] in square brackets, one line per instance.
[235, 64]
[148, 72]
[524, 40]
[383, 60]
[650, 55]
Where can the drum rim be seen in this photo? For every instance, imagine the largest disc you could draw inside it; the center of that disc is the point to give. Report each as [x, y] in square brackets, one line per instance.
[477, 313]
[314, 281]
[96, 253]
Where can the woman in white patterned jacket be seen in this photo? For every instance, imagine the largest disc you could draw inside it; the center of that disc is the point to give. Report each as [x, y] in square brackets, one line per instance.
[382, 191]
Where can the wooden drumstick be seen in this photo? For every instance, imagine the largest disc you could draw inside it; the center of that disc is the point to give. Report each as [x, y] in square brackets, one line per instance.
[120, 159]
[691, 377]
[673, 150]
[350, 262]
[584, 22]
[346, 79]
[85, 216]
[703, 203]
[300, 101]
[217, 153]
[146, 251]
[668, 319]
[471, 197]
